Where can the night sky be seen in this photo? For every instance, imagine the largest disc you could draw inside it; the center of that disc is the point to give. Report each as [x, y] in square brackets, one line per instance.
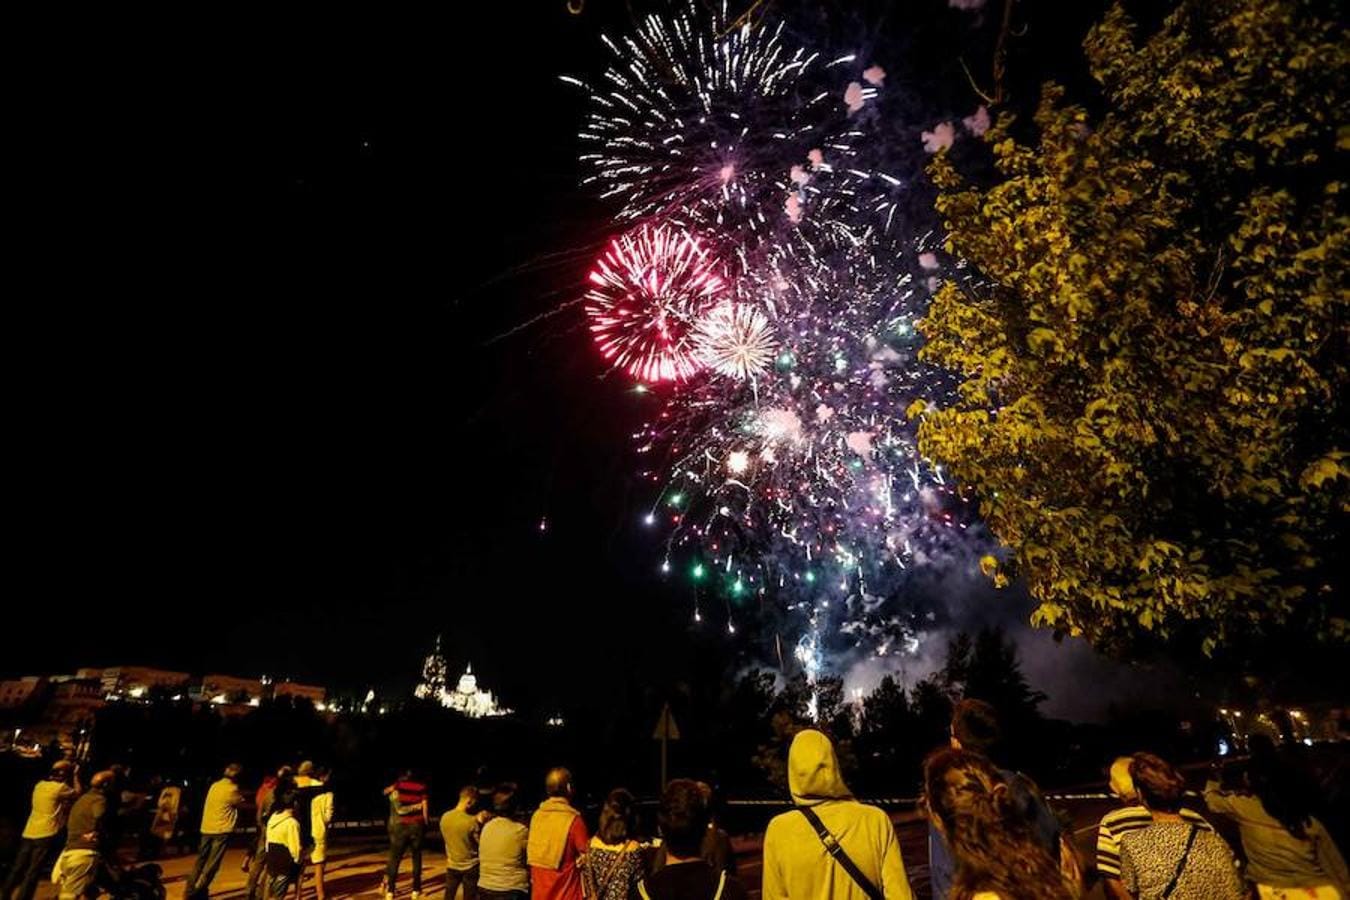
[263, 417]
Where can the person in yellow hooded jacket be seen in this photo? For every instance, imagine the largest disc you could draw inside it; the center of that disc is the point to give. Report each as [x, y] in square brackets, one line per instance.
[797, 863]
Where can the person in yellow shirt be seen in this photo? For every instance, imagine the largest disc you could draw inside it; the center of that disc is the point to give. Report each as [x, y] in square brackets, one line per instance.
[220, 813]
[830, 847]
[52, 797]
[1290, 854]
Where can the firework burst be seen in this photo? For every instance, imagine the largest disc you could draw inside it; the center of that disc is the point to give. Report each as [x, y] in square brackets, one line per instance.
[718, 127]
[684, 109]
[784, 467]
[736, 340]
[648, 293]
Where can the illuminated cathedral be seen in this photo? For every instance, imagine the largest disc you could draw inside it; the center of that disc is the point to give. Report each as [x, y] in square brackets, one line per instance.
[466, 698]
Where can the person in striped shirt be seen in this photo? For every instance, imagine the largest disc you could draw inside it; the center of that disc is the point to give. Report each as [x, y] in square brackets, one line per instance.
[410, 794]
[1131, 817]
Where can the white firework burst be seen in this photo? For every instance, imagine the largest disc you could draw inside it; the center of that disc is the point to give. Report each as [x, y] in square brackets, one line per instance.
[735, 339]
[688, 110]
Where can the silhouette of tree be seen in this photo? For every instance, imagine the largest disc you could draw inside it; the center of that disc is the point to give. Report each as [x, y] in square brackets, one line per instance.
[792, 712]
[887, 749]
[987, 668]
[932, 714]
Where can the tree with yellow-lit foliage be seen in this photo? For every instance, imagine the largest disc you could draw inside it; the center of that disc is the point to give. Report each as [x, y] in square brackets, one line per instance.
[1153, 355]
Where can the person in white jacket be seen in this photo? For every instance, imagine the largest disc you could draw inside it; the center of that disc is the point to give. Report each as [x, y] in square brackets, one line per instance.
[283, 847]
[320, 817]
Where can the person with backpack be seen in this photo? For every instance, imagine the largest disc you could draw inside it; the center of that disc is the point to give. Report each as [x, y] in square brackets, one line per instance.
[830, 847]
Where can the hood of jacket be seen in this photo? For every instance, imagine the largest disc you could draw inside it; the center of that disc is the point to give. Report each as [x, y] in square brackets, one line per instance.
[813, 770]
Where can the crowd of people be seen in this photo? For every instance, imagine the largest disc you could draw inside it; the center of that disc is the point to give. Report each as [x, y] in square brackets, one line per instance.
[492, 852]
[992, 835]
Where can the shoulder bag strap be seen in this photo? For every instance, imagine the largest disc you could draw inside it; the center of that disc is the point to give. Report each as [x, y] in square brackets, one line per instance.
[1181, 863]
[834, 849]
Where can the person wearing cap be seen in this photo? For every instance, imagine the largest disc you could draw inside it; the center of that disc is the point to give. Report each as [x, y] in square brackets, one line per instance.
[52, 797]
[220, 814]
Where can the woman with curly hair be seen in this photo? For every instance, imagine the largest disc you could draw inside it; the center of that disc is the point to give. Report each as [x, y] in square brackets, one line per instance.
[997, 857]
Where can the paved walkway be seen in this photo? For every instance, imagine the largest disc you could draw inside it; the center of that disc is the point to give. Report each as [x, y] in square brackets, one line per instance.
[355, 869]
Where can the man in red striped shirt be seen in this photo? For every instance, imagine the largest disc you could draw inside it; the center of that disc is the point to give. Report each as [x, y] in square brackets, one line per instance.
[410, 805]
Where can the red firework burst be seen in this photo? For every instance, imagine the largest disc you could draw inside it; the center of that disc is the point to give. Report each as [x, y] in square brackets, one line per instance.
[647, 293]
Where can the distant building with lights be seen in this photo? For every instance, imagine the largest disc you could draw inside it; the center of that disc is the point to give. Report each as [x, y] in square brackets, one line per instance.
[1308, 725]
[39, 709]
[470, 700]
[467, 697]
[310, 692]
[17, 692]
[138, 681]
[230, 689]
[75, 700]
